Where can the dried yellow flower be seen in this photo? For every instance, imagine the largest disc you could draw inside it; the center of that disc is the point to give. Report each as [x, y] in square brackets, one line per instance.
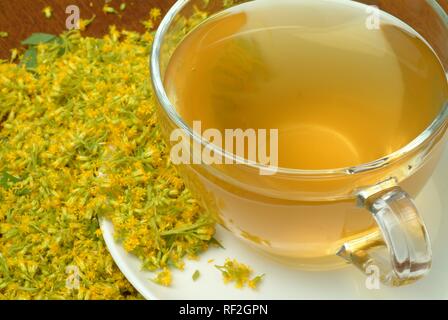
[108, 9]
[14, 55]
[79, 139]
[234, 271]
[48, 12]
[84, 23]
[163, 278]
[155, 13]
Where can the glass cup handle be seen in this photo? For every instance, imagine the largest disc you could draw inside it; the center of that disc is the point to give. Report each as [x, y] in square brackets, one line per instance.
[400, 252]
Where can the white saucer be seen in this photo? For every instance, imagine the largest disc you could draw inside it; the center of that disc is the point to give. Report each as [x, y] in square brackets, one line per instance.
[283, 282]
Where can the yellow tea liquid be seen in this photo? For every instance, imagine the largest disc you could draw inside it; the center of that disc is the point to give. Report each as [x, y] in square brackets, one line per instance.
[341, 92]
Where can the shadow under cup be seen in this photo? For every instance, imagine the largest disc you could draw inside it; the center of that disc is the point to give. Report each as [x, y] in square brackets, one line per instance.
[306, 217]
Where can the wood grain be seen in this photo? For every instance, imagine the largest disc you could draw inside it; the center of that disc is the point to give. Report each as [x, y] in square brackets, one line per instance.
[20, 18]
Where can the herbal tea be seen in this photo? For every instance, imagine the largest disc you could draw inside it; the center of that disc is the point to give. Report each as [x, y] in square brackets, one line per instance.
[340, 91]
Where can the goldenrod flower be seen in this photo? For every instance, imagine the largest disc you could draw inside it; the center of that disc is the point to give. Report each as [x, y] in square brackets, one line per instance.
[80, 139]
[155, 13]
[47, 11]
[239, 273]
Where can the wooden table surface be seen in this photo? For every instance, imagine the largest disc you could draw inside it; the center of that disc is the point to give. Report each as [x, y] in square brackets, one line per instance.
[20, 18]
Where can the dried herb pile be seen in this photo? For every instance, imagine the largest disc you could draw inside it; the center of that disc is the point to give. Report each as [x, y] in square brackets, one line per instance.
[79, 140]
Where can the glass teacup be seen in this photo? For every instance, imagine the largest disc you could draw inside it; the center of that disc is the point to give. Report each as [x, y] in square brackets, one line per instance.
[313, 218]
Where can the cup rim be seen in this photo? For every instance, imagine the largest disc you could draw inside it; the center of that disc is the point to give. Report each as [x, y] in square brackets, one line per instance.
[175, 117]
